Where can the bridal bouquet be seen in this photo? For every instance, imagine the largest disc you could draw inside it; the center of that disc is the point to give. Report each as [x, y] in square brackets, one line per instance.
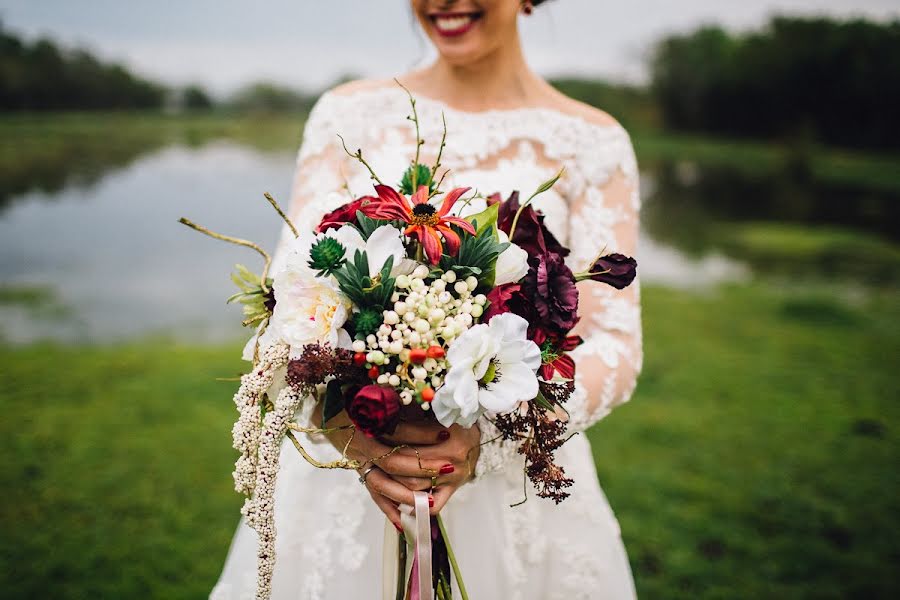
[396, 301]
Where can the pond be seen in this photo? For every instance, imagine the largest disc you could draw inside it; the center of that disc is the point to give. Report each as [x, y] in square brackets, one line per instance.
[101, 257]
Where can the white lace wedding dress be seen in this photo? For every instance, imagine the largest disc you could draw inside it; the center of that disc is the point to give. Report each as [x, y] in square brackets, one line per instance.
[329, 532]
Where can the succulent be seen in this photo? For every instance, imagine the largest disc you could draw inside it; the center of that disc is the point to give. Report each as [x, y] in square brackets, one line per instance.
[367, 321]
[423, 177]
[326, 256]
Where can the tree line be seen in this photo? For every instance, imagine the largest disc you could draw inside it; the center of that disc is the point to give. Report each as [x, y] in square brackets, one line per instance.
[835, 82]
[808, 78]
[42, 76]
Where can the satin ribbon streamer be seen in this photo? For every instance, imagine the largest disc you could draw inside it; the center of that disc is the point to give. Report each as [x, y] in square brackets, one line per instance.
[416, 522]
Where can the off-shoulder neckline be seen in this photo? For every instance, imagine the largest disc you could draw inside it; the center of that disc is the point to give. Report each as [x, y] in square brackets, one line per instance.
[493, 113]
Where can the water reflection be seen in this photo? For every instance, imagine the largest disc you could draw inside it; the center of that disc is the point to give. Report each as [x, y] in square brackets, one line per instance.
[116, 257]
[108, 261]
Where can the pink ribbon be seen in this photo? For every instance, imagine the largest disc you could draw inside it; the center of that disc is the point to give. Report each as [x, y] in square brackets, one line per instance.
[416, 522]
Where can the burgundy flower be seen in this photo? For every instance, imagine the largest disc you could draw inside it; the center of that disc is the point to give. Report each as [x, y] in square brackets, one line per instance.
[500, 299]
[375, 410]
[554, 354]
[550, 286]
[615, 269]
[531, 234]
[343, 214]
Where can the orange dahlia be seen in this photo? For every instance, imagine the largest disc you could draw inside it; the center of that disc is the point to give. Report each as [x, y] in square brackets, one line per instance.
[429, 225]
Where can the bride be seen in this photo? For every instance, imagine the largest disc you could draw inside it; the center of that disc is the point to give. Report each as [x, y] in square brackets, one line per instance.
[506, 127]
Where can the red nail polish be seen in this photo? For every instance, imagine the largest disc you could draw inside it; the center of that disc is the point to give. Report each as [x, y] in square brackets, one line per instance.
[446, 470]
[397, 527]
[430, 500]
[443, 436]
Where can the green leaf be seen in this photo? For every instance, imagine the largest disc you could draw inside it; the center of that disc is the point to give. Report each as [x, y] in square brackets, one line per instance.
[485, 219]
[543, 402]
[334, 401]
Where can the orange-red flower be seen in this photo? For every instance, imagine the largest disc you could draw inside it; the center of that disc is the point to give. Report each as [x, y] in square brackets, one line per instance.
[429, 225]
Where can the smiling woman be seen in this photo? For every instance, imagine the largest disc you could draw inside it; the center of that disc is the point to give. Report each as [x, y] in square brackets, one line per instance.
[506, 130]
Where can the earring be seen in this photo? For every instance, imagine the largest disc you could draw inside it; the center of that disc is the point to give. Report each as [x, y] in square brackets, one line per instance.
[527, 7]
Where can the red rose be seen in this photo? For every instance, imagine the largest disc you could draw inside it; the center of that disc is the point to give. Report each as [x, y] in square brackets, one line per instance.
[343, 214]
[375, 410]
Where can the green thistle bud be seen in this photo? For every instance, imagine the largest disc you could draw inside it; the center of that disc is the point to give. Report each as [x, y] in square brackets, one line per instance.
[423, 174]
[367, 321]
[326, 256]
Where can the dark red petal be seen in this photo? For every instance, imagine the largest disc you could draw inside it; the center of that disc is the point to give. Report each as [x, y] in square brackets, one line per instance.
[421, 196]
[450, 199]
[462, 223]
[432, 244]
[450, 239]
[571, 342]
[565, 366]
[547, 371]
[389, 194]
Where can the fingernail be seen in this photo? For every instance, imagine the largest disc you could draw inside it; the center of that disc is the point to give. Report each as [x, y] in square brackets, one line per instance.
[397, 527]
[446, 470]
[443, 436]
[430, 500]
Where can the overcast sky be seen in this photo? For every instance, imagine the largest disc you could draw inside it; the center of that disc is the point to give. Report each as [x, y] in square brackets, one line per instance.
[310, 43]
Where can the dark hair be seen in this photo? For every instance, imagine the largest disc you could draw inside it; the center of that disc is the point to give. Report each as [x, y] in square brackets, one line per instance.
[537, 3]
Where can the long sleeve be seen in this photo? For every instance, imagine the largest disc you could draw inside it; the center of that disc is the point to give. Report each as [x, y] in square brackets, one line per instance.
[604, 203]
[322, 172]
[605, 216]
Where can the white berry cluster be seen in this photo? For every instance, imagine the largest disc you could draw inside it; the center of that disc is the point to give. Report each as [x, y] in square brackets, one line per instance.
[407, 352]
[260, 509]
[246, 431]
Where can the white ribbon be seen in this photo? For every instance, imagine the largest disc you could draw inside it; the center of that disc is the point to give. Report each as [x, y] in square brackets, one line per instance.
[416, 522]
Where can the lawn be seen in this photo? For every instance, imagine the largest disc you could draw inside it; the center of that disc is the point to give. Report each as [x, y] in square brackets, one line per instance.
[758, 458]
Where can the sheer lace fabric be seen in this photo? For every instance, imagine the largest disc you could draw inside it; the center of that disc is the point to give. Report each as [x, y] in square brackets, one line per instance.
[329, 531]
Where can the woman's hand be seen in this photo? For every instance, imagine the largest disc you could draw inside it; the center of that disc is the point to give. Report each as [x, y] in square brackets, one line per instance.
[414, 466]
[457, 451]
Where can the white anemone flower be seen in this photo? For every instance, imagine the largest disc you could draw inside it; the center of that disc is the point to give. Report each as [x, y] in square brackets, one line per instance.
[512, 264]
[492, 368]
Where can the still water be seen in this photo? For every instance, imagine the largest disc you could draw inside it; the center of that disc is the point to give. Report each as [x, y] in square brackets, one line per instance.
[105, 259]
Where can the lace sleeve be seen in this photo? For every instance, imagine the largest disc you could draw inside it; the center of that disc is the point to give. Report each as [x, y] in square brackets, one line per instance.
[320, 178]
[606, 214]
[604, 204]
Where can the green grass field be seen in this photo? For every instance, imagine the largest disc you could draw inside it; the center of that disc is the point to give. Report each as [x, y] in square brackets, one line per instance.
[758, 458]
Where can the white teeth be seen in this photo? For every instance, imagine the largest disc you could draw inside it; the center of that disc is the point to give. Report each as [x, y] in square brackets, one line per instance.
[452, 23]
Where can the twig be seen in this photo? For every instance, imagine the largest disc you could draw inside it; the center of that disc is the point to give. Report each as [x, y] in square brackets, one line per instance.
[437, 162]
[419, 140]
[281, 213]
[358, 156]
[239, 242]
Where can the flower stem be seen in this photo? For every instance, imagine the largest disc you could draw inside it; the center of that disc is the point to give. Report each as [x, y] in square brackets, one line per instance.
[452, 557]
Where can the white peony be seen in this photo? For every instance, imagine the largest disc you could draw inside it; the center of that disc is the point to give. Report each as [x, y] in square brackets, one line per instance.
[309, 310]
[492, 368]
[512, 264]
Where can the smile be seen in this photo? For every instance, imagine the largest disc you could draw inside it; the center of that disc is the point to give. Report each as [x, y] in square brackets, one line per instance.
[454, 24]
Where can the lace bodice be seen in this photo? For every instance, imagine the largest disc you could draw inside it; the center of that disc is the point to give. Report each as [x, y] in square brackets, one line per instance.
[594, 206]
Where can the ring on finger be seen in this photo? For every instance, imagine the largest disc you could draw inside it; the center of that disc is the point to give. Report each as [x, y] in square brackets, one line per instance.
[365, 474]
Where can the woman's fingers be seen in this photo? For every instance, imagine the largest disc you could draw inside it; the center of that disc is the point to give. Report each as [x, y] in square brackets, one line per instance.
[411, 465]
[380, 482]
[418, 434]
[441, 495]
[415, 484]
[388, 507]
